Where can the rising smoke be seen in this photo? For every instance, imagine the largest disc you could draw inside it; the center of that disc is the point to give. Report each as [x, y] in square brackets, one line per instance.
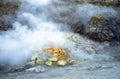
[35, 28]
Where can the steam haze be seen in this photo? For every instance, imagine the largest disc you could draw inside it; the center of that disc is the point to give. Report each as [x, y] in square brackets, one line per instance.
[34, 29]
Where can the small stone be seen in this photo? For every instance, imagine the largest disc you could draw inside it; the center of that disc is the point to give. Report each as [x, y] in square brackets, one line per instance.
[49, 63]
[62, 63]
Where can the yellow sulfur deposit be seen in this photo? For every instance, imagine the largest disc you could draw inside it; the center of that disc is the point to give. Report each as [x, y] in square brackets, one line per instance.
[59, 56]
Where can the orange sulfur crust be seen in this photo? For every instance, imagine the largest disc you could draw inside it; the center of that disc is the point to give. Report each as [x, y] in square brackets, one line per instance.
[59, 53]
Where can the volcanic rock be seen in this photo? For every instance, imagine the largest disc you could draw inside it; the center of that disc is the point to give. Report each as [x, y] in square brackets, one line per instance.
[99, 29]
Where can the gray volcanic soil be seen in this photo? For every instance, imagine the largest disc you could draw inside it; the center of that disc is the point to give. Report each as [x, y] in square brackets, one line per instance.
[86, 70]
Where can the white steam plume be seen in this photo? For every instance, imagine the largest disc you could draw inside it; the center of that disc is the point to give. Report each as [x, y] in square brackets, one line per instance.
[30, 32]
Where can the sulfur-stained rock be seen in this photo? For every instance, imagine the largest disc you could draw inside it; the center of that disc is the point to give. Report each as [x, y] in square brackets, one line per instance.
[73, 37]
[59, 57]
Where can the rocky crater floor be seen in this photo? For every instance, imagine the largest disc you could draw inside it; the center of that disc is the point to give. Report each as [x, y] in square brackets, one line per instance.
[81, 70]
